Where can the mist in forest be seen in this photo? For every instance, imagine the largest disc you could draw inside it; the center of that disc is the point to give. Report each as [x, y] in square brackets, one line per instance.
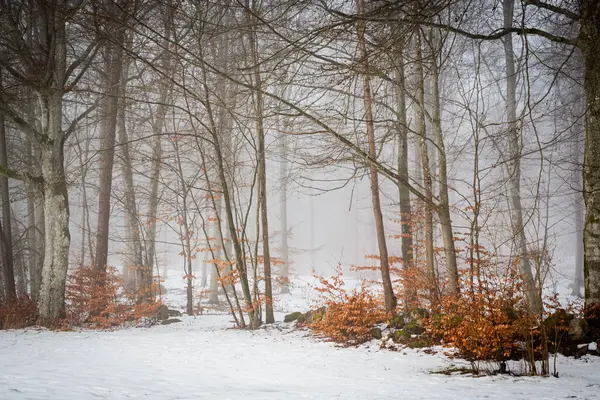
[266, 141]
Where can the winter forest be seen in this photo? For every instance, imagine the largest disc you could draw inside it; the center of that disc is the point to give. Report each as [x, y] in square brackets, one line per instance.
[299, 199]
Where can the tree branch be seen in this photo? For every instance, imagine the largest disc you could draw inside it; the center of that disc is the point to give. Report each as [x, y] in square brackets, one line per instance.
[495, 35]
[553, 8]
[13, 174]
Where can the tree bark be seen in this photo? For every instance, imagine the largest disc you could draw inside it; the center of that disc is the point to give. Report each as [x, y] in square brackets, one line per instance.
[514, 167]
[262, 179]
[285, 269]
[390, 298]
[51, 299]
[135, 262]
[165, 88]
[7, 246]
[589, 39]
[403, 190]
[425, 168]
[213, 294]
[108, 117]
[443, 208]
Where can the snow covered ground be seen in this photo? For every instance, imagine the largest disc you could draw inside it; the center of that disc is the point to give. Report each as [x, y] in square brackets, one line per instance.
[200, 358]
[203, 358]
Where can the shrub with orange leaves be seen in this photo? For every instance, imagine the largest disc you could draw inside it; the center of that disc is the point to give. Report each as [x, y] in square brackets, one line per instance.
[485, 323]
[18, 313]
[350, 316]
[96, 298]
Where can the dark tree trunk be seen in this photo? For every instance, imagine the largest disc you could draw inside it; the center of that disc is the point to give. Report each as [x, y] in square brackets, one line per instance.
[7, 246]
[589, 40]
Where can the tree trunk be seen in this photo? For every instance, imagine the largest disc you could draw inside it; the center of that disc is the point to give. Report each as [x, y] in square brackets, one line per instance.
[19, 262]
[51, 299]
[261, 163]
[184, 230]
[285, 269]
[590, 48]
[403, 191]
[136, 258]
[240, 262]
[578, 205]
[443, 208]
[514, 167]
[7, 246]
[165, 87]
[427, 181]
[262, 190]
[390, 298]
[108, 117]
[40, 246]
[213, 293]
[32, 257]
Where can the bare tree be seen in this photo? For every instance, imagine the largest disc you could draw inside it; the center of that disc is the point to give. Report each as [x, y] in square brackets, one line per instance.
[41, 65]
[390, 298]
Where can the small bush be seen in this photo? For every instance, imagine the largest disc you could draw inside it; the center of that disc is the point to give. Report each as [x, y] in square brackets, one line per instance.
[97, 299]
[350, 316]
[486, 322]
[18, 313]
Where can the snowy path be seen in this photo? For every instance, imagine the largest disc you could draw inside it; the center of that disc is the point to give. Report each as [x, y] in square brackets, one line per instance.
[199, 359]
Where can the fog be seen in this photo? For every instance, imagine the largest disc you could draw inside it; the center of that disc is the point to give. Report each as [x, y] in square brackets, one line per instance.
[184, 137]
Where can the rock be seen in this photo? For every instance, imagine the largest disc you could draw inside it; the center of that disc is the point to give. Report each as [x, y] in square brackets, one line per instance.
[414, 327]
[170, 321]
[400, 336]
[162, 313]
[397, 322]
[578, 327]
[313, 316]
[418, 315]
[376, 333]
[292, 317]
[174, 313]
[581, 351]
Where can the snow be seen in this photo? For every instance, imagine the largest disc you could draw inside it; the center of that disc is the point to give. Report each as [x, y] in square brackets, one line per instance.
[204, 358]
[201, 358]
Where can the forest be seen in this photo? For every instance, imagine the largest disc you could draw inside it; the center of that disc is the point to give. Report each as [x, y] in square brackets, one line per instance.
[416, 175]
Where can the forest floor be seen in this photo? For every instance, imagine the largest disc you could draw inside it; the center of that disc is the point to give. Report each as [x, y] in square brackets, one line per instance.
[202, 357]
